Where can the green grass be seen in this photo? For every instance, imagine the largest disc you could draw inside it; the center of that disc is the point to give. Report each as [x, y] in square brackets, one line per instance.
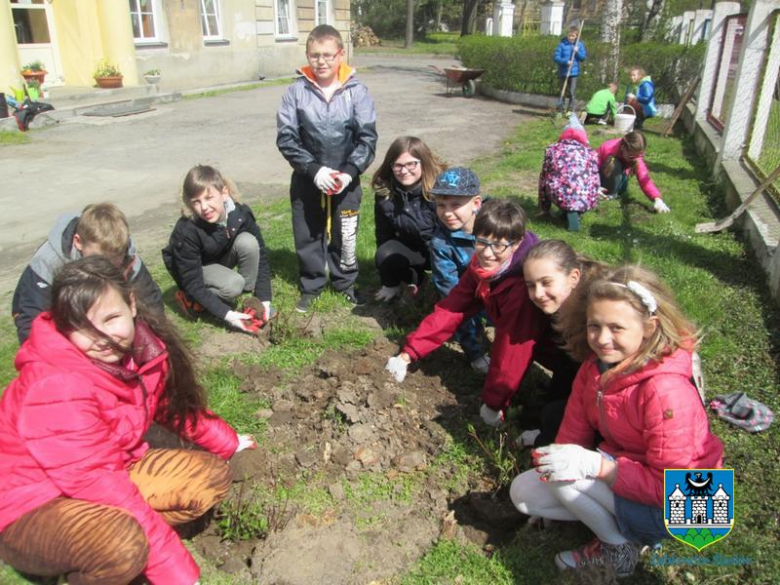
[13, 137]
[432, 44]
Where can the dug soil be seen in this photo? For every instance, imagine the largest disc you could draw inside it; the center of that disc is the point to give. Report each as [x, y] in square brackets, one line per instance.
[354, 470]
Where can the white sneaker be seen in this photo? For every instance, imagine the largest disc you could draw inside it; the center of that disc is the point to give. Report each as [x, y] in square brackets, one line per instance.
[481, 365]
[602, 122]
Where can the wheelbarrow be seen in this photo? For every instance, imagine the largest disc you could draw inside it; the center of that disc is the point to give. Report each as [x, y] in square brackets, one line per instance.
[460, 76]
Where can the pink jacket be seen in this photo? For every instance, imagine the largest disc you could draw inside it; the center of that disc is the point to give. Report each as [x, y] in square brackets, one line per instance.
[651, 420]
[612, 148]
[69, 428]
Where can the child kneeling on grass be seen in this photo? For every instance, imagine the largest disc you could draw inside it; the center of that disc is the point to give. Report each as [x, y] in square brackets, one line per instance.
[81, 492]
[493, 282]
[216, 235]
[634, 390]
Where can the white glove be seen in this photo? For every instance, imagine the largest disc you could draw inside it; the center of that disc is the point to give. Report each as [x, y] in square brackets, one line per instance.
[387, 293]
[491, 417]
[324, 180]
[236, 320]
[345, 179]
[266, 310]
[660, 206]
[246, 442]
[528, 438]
[481, 365]
[567, 462]
[397, 366]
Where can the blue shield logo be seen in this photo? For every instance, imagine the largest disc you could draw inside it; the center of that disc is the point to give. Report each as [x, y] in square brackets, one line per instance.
[699, 505]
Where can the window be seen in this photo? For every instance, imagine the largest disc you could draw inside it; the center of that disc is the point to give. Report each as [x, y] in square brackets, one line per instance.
[284, 22]
[210, 17]
[30, 22]
[142, 15]
[321, 12]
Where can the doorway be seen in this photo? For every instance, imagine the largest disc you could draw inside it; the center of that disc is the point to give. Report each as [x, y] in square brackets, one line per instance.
[36, 37]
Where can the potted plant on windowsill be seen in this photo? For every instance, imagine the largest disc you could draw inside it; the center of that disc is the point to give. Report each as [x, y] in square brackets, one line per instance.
[34, 71]
[152, 76]
[107, 75]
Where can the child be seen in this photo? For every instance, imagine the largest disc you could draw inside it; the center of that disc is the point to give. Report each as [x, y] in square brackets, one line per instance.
[568, 55]
[570, 175]
[641, 96]
[458, 200]
[493, 282]
[216, 235]
[618, 159]
[554, 274]
[633, 389]
[81, 492]
[327, 132]
[404, 215]
[100, 229]
[602, 108]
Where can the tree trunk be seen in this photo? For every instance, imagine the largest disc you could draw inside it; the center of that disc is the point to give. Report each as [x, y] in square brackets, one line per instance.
[439, 11]
[469, 16]
[610, 33]
[652, 16]
[409, 24]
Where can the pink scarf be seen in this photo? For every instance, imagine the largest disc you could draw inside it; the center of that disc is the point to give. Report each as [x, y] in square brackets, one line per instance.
[485, 277]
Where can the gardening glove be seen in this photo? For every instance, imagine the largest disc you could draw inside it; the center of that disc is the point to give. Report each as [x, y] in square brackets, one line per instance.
[325, 180]
[387, 293]
[481, 365]
[660, 206]
[246, 442]
[630, 97]
[491, 417]
[342, 182]
[237, 320]
[397, 366]
[266, 310]
[566, 462]
[528, 438]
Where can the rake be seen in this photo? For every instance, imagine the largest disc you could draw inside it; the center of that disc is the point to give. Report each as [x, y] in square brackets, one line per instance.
[717, 226]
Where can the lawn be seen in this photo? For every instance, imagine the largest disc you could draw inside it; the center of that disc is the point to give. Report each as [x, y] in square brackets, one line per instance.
[431, 44]
[717, 282]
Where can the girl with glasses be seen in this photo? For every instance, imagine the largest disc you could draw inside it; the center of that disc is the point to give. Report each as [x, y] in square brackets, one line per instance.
[404, 215]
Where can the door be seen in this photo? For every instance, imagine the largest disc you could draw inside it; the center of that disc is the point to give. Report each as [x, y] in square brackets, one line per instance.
[36, 38]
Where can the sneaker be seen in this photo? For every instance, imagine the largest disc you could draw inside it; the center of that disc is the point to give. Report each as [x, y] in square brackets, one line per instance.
[353, 297]
[304, 303]
[621, 557]
[481, 365]
[188, 307]
[601, 122]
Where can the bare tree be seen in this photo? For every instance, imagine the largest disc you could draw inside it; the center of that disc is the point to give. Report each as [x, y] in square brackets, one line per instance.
[652, 16]
[409, 24]
[469, 16]
[610, 33]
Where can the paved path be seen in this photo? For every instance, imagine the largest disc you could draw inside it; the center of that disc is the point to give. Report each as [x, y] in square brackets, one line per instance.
[139, 161]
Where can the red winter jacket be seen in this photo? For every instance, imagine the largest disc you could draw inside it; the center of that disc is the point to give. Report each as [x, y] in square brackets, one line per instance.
[612, 148]
[69, 428]
[518, 322]
[651, 420]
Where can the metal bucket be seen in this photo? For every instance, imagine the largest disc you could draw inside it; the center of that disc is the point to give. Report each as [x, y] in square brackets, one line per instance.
[625, 122]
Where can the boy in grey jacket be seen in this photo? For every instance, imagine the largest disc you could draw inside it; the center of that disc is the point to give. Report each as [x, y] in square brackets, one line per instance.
[327, 132]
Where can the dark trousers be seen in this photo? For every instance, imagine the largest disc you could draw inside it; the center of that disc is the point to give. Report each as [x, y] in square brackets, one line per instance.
[616, 181]
[398, 263]
[594, 118]
[571, 91]
[317, 253]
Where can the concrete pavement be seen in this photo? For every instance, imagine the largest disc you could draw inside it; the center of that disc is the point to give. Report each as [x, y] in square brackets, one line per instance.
[139, 161]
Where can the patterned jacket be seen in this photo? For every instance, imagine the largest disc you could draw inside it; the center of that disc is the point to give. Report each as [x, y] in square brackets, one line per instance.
[570, 174]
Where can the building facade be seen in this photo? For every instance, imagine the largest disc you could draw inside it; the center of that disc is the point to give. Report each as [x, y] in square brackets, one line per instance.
[194, 43]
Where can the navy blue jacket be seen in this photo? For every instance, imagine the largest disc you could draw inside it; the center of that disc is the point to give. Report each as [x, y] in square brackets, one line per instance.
[405, 216]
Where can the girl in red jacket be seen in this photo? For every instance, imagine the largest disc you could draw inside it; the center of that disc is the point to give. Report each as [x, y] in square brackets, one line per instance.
[634, 390]
[81, 492]
[493, 282]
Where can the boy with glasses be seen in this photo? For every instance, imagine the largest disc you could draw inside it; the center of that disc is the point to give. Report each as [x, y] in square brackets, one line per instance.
[494, 283]
[327, 132]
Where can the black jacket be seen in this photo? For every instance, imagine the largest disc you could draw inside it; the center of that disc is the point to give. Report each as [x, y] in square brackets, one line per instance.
[33, 292]
[405, 216]
[195, 243]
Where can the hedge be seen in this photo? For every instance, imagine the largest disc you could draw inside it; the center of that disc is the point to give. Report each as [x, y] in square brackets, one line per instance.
[525, 64]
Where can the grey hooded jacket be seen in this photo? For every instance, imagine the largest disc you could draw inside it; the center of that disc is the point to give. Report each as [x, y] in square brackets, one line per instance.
[340, 134]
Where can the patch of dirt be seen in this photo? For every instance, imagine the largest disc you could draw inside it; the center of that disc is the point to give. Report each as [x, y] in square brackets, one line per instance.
[339, 423]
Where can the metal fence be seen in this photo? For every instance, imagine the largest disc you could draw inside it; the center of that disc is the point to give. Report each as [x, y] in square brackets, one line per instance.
[723, 88]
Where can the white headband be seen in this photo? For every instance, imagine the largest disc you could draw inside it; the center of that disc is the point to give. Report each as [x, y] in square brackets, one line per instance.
[647, 298]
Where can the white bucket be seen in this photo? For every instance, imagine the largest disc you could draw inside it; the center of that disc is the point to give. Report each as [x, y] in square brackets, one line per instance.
[625, 122]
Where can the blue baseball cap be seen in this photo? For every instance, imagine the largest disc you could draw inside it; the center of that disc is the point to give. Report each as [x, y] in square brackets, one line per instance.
[456, 182]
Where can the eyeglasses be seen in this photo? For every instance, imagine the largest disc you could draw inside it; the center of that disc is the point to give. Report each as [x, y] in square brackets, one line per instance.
[327, 57]
[409, 166]
[498, 248]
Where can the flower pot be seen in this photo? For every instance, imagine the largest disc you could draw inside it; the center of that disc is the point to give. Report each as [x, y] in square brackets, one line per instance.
[152, 79]
[109, 82]
[38, 76]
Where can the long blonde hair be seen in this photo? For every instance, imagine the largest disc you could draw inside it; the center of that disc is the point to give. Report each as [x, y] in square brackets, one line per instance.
[673, 330]
[429, 162]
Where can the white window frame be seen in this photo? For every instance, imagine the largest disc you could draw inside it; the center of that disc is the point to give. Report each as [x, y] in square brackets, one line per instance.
[210, 35]
[135, 9]
[326, 5]
[292, 29]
